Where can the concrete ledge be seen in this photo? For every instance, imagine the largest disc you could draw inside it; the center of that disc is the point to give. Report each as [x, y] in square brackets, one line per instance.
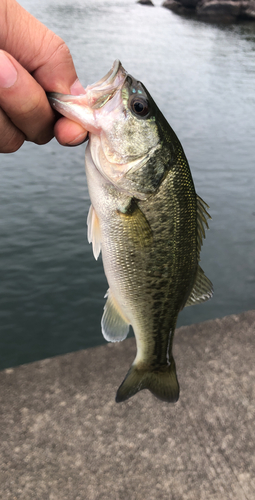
[64, 438]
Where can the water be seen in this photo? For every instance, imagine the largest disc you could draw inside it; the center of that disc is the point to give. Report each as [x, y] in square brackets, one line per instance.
[202, 77]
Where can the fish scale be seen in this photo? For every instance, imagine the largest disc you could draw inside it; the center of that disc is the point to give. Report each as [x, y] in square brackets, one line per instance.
[145, 218]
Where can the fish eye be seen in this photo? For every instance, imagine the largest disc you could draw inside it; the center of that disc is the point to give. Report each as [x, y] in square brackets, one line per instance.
[139, 106]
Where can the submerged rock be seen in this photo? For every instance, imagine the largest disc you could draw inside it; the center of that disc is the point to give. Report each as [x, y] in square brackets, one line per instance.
[145, 2]
[227, 9]
[180, 7]
[220, 10]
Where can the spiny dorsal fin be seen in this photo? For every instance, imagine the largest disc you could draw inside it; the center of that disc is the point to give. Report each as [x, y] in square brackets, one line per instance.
[94, 233]
[202, 289]
[202, 224]
[114, 324]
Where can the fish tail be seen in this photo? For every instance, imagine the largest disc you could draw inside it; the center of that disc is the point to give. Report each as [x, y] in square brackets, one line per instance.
[162, 382]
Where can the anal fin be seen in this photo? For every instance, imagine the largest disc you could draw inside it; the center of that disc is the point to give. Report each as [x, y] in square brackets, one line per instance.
[114, 324]
[94, 233]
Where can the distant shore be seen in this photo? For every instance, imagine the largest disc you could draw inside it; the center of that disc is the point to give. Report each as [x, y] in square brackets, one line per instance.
[211, 10]
[218, 10]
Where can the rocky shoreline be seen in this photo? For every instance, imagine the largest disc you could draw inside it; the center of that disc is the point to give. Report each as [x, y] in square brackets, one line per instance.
[211, 10]
[219, 10]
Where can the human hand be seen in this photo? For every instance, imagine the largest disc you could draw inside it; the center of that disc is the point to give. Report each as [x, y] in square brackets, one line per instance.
[33, 60]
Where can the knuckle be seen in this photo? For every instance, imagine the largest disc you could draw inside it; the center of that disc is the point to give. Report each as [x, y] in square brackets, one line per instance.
[43, 138]
[12, 142]
[11, 138]
[51, 46]
[31, 105]
[60, 45]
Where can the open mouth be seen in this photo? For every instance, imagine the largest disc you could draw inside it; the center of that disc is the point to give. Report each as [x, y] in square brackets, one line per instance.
[95, 95]
[108, 80]
[102, 91]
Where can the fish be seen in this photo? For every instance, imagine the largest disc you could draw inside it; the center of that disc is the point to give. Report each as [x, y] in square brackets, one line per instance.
[145, 218]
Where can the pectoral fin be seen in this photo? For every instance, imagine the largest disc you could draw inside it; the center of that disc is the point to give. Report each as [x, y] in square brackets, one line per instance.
[94, 233]
[136, 225]
[202, 289]
[114, 324]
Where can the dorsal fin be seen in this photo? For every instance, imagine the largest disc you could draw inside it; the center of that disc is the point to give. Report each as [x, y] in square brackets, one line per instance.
[202, 289]
[202, 224]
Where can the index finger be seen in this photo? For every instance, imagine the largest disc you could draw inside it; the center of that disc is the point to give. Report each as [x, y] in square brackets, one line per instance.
[36, 48]
[45, 56]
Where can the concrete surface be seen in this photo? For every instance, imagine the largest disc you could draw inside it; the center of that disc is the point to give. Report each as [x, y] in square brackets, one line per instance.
[63, 437]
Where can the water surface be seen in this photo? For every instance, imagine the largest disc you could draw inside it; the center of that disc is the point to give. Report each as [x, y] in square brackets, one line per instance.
[202, 77]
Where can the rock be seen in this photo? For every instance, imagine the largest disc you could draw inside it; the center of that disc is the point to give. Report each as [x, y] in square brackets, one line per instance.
[216, 10]
[176, 6]
[180, 7]
[189, 4]
[145, 2]
[219, 9]
[248, 9]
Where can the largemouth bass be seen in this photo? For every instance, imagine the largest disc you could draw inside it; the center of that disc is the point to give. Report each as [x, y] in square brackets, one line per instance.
[145, 218]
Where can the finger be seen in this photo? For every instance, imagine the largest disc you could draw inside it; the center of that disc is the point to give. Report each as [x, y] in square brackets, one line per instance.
[24, 101]
[69, 133]
[43, 54]
[11, 138]
[39, 50]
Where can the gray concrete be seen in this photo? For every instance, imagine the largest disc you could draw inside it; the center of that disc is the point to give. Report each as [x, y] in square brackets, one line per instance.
[63, 437]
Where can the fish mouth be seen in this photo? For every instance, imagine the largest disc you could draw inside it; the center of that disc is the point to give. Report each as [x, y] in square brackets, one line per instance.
[95, 96]
[103, 90]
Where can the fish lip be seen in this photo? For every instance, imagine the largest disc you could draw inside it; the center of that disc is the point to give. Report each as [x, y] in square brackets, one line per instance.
[102, 91]
[97, 94]
[83, 108]
[110, 76]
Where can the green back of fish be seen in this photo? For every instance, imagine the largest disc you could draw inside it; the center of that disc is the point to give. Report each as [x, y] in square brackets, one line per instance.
[157, 261]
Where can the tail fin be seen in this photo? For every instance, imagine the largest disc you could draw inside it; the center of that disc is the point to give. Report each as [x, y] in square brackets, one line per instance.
[162, 383]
